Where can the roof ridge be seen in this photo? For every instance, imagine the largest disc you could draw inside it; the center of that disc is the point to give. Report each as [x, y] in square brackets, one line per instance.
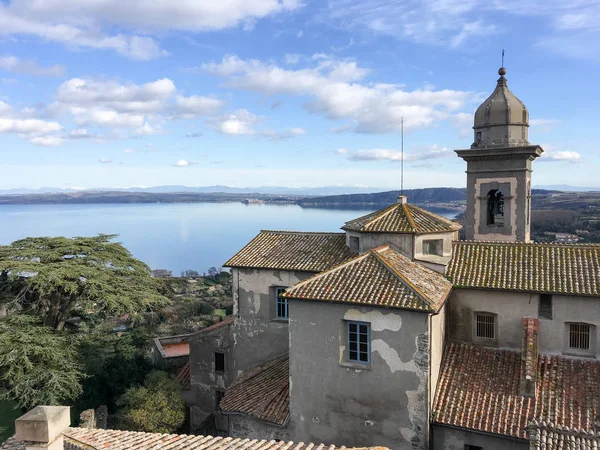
[383, 213]
[381, 258]
[409, 216]
[433, 215]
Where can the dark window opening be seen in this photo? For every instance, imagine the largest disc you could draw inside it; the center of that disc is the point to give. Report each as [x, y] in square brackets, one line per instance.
[495, 208]
[359, 342]
[218, 397]
[354, 244]
[281, 304]
[579, 336]
[219, 362]
[485, 326]
[433, 247]
[473, 447]
[545, 307]
[479, 137]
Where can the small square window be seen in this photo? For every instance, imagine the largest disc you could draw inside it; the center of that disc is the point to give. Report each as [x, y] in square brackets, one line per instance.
[433, 247]
[219, 362]
[281, 304]
[218, 397]
[485, 326]
[545, 307]
[359, 342]
[579, 336]
[354, 244]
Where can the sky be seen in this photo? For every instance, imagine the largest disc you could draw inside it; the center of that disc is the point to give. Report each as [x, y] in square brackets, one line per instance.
[246, 93]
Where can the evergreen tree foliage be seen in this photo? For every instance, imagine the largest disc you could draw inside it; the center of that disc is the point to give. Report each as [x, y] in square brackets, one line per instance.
[155, 407]
[38, 365]
[91, 275]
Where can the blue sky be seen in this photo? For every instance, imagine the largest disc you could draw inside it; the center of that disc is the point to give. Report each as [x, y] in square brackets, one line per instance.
[113, 93]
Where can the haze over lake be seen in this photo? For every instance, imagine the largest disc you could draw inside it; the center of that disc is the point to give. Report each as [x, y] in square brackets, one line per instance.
[173, 236]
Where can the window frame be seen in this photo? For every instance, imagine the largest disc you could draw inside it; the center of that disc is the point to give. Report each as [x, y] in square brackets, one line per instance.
[591, 337]
[483, 339]
[358, 360]
[439, 242]
[548, 302]
[283, 302]
[215, 356]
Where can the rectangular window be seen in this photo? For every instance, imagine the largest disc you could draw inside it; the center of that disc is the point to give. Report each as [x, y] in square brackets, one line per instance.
[473, 447]
[281, 304]
[218, 397]
[219, 362]
[579, 336]
[545, 307]
[433, 247]
[354, 244]
[359, 342]
[485, 326]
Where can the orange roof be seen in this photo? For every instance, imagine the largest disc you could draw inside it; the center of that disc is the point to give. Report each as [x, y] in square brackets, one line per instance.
[176, 349]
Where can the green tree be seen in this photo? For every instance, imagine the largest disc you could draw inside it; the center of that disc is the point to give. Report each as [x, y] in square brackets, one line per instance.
[90, 275]
[38, 365]
[155, 407]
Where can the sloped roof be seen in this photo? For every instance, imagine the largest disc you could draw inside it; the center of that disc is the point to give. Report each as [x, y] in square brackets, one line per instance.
[552, 268]
[262, 392]
[381, 277]
[478, 389]
[292, 250]
[401, 218]
[183, 376]
[549, 436]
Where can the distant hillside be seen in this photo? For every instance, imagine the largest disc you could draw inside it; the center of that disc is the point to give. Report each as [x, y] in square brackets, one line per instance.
[421, 196]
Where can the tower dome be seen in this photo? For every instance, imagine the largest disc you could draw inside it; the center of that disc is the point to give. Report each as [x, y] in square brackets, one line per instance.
[502, 120]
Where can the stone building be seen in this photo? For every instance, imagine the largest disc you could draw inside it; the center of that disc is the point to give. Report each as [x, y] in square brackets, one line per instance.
[395, 332]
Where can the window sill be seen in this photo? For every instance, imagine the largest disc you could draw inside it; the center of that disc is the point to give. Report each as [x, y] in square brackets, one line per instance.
[355, 366]
[485, 342]
[279, 320]
[580, 354]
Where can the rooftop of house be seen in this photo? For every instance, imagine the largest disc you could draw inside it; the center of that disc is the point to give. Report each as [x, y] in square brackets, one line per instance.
[183, 376]
[262, 392]
[381, 277]
[292, 250]
[570, 269]
[401, 217]
[549, 436]
[478, 389]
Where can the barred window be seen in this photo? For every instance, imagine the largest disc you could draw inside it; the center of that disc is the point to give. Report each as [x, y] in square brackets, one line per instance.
[579, 336]
[485, 326]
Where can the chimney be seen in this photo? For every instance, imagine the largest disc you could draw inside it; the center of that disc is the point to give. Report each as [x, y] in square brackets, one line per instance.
[42, 428]
[529, 357]
[401, 199]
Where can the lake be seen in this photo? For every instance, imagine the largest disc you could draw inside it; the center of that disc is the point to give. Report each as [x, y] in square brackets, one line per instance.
[174, 236]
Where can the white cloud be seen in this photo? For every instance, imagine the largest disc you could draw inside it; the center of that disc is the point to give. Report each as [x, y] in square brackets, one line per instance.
[5, 109]
[335, 91]
[148, 130]
[383, 154]
[27, 126]
[80, 133]
[292, 58]
[463, 122]
[80, 24]
[341, 151]
[46, 141]
[184, 163]
[281, 135]
[130, 150]
[562, 156]
[195, 105]
[236, 123]
[104, 161]
[14, 64]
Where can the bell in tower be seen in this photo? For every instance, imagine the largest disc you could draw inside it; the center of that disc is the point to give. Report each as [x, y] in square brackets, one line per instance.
[499, 169]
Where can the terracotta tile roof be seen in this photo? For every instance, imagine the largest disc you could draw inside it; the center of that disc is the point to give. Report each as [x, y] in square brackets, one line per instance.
[98, 439]
[184, 376]
[548, 436]
[176, 349]
[553, 268]
[223, 323]
[401, 218]
[381, 277]
[262, 392]
[290, 250]
[478, 389]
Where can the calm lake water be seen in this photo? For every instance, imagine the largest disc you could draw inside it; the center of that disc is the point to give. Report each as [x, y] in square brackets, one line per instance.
[173, 236]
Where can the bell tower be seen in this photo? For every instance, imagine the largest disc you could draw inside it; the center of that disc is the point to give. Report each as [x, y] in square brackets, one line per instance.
[499, 169]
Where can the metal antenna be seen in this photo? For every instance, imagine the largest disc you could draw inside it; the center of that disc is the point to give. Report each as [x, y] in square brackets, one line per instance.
[502, 58]
[402, 156]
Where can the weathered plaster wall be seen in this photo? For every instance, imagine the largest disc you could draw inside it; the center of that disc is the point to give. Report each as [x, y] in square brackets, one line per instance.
[243, 426]
[258, 335]
[204, 380]
[447, 438]
[512, 307]
[446, 237]
[337, 403]
[402, 243]
[437, 333]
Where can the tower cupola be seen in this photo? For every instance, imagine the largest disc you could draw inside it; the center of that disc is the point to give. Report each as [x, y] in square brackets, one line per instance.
[502, 120]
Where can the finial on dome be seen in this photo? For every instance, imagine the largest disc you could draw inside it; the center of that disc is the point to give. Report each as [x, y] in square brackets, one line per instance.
[501, 71]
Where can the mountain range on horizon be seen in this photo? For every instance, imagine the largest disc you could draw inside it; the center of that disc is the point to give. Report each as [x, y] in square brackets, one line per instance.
[271, 190]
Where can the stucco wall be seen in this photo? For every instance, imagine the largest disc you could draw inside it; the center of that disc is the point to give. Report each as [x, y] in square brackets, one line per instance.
[511, 308]
[336, 404]
[258, 335]
[446, 237]
[437, 332]
[204, 380]
[243, 426]
[402, 243]
[448, 438]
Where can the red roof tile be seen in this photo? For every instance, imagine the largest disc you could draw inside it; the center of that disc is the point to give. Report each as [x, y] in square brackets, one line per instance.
[262, 392]
[478, 389]
[547, 436]
[184, 376]
[176, 349]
